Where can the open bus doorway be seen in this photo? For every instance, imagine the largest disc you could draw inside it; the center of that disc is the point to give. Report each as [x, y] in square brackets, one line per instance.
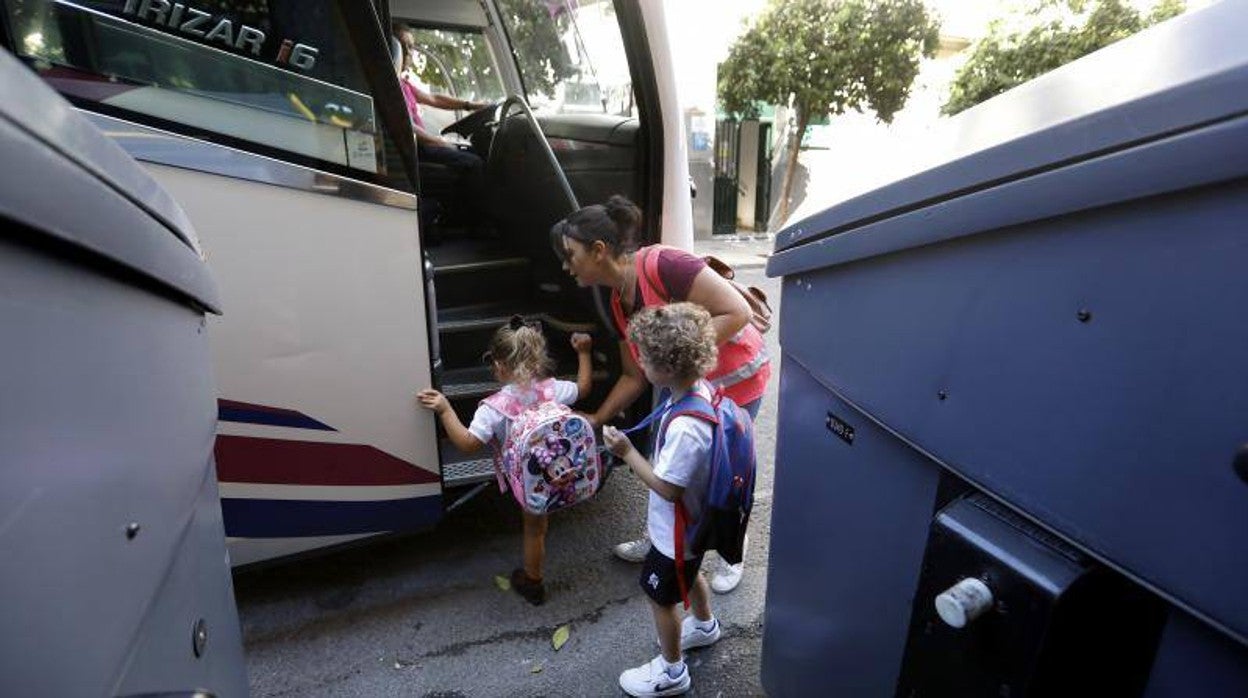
[280, 128]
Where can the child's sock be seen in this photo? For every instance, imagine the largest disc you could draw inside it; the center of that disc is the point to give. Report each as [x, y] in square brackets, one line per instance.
[705, 626]
[675, 668]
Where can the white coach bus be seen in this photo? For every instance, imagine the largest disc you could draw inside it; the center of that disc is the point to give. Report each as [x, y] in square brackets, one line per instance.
[351, 273]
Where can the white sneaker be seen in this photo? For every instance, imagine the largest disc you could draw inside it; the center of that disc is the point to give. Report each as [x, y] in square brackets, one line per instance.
[633, 550]
[651, 679]
[726, 577]
[692, 637]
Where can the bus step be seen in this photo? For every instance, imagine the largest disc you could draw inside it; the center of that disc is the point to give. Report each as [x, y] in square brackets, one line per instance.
[490, 316]
[468, 272]
[467, 472]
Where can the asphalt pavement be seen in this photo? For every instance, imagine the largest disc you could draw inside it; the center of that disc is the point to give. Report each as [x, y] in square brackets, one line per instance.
[421, 615]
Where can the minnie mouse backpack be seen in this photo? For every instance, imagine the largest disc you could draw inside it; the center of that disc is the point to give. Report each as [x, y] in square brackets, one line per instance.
[550, 457]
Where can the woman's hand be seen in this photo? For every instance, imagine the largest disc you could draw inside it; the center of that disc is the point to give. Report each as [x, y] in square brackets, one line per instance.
[582, 342]
[616, 441]
[433, 400]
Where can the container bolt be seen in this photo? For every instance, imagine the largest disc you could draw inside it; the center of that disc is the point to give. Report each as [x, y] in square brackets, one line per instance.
[1084, 315]
[1241, 463]
[199, 637]
[964, 602]
[132, 530]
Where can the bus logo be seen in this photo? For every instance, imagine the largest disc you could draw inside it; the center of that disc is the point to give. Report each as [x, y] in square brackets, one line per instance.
[190, 21]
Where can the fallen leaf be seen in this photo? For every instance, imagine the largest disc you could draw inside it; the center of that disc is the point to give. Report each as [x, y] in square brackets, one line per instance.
[535, 669]
[502, 582]
[560, 638]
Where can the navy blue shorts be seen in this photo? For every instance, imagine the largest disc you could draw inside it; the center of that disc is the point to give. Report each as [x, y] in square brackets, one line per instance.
[658, 577]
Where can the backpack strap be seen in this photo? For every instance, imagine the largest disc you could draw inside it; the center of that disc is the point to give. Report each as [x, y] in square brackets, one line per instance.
[507, 404]
[545, 389]
[653, 292]
[682, 519]
[504, 403]
[691, 405]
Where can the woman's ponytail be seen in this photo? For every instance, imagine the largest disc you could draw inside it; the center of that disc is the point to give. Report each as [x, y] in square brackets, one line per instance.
[615, 223]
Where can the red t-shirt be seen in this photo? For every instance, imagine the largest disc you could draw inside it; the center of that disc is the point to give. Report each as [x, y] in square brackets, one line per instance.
[677, 270]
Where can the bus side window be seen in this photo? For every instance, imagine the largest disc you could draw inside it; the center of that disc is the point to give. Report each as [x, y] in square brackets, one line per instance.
[278, 77]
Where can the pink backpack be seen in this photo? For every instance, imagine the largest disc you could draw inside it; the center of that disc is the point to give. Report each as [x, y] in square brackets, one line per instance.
[550, 457]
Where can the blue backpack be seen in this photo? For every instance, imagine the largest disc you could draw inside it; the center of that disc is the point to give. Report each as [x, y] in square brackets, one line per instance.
[729, 495]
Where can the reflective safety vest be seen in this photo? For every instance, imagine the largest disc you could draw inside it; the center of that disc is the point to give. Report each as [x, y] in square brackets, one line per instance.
[743, 368]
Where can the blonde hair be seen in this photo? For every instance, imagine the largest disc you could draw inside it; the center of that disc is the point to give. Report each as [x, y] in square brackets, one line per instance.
[520, 349]
[677, 338]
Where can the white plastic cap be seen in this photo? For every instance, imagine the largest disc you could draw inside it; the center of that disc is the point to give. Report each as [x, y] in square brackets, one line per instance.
[964, 602]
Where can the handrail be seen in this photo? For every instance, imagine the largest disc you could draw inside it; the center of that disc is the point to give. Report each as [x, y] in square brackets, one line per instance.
[600, 305]
[541, 137]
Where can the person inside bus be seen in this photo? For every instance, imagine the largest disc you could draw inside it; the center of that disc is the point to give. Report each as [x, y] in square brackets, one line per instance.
[518, 357]
[596, 246]
[466, 166]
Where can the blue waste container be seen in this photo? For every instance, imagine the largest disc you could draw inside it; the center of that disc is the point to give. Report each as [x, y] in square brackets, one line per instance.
[1012, 455]
[114, 574]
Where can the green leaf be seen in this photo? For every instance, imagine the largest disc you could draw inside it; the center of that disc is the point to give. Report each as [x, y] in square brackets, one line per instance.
[560, 638]
[535, 669]
[502, 582]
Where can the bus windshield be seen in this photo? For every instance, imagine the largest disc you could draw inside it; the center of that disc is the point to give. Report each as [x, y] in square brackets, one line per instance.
[570, 55]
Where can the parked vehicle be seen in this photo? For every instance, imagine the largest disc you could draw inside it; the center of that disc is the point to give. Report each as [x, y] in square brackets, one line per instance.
[1011, 453]
[280, 128]
[115, 579]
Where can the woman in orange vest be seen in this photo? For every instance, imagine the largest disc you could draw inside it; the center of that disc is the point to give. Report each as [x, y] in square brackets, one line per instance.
[595, 244]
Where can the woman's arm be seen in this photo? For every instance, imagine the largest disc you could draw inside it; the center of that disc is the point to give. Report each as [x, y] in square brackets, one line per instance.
[630, 385]
[583, 344]
[729, 311]
[447, 102]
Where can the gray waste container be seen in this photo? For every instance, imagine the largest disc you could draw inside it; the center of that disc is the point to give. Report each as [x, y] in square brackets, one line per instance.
[115, 579]
[1025, 368]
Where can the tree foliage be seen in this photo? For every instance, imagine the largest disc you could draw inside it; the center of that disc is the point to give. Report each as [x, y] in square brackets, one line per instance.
[536, 29]
[827, 57]
[1050, 34]
[831, 56]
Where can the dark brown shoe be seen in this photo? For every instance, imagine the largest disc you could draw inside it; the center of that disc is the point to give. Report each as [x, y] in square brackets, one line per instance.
[532, 590]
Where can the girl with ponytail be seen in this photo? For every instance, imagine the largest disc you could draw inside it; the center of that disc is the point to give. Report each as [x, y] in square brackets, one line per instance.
[517, 355]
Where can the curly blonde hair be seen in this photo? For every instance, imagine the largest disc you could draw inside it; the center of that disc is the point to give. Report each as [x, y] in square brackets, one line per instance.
[521, 350]
[677, 338]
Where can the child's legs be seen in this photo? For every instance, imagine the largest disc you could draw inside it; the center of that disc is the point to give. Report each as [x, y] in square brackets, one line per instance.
[667, 623]
[700, 598]
[534, 544]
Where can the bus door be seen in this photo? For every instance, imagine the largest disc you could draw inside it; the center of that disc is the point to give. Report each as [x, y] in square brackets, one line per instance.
[279, 128]
[577, 117]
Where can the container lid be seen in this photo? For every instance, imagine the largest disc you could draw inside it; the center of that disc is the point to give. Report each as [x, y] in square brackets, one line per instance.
[1185, 73]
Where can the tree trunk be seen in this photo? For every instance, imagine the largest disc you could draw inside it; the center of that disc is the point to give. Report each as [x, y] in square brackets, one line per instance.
[803, 119]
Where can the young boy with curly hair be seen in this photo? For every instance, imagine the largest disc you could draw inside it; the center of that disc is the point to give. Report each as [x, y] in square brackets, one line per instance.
[676, 346]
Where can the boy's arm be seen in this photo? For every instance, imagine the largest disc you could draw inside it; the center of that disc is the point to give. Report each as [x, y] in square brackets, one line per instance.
[583, 344]
[645, 471]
